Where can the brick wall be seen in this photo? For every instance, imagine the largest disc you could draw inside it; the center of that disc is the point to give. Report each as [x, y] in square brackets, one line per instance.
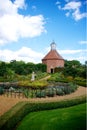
[53, 63]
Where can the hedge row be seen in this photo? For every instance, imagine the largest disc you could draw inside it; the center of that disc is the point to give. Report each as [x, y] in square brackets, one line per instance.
[58, 77]
[84, 84]
[81, 83]
[9, 120]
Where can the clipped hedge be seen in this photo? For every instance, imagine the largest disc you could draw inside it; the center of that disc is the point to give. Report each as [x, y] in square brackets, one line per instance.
[10, 119]
[81, 83]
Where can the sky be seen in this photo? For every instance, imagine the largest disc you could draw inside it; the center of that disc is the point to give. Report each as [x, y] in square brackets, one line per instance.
[28, 27]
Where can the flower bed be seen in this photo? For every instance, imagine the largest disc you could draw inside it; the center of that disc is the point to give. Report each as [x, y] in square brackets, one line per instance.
[41, 90]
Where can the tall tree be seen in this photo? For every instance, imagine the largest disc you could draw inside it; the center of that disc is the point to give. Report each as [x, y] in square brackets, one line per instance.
[71, 68]
[3, 68]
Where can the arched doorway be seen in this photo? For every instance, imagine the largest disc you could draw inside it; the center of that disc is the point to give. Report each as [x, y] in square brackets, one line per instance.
[52, 71]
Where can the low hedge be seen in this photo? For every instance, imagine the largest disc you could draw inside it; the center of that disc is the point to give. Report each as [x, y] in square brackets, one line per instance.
[9, 120]
[81, 83]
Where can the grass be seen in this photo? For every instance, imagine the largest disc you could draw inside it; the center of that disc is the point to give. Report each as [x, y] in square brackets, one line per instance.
[72, 118]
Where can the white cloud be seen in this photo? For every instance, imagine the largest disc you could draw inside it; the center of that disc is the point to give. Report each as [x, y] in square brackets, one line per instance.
[79, 55]
[14, 25]
[77, 15]
[26, 54]
[73, 8]
[83, 42]
[20, 4]
[58, 5]
[67, 14]
[71, 51]
[82, 59]
[72, 5]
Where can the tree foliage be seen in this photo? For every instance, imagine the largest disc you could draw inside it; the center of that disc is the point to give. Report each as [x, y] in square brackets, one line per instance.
[20, 68]
[74, 68]
[71, 68]
[3, 68]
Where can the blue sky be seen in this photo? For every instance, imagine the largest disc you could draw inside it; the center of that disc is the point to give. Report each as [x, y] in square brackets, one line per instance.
[27, 28]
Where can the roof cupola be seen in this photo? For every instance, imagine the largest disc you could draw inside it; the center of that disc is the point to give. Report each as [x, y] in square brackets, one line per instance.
[53, 46]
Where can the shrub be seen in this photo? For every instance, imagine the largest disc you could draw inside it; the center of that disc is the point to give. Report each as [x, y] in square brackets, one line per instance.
[69, 78]
[40, 75]
[80, 79]
[56, 77]
[81, 83]
[39, 84]
[72, 86]
[50, 92]
[26, 93]
[33, 85]
[1, 90]
[59, 92]
[1, 79]
[66, 90]
[41, 93]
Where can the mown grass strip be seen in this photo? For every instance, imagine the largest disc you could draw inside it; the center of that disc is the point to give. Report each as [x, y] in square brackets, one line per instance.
[71, 118]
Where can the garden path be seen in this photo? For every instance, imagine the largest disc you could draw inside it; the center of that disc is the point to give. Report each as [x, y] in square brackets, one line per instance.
[47, 77]
[7, 102]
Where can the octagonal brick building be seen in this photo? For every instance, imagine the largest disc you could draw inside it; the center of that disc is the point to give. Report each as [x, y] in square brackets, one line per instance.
[53, 59]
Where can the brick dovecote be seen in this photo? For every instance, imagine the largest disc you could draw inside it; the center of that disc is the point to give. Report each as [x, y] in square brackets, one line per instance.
[53, 59]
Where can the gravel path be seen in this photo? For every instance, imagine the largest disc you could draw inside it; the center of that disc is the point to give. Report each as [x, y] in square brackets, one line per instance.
[7, 102]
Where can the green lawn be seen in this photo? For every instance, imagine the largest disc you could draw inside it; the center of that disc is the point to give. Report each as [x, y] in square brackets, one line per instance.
[72, 118]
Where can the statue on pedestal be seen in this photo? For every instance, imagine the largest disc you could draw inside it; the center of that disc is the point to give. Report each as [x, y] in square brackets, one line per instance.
[33, 76]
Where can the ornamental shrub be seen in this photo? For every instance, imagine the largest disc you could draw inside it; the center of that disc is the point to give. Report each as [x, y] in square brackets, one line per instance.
[59, 91]
[41, 93]
[72, 86]
[51, 92]
[1, 90]
[66, 89]
[69, 78]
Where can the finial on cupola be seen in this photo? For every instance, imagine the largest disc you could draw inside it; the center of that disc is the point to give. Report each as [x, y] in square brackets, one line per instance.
[53, 46]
